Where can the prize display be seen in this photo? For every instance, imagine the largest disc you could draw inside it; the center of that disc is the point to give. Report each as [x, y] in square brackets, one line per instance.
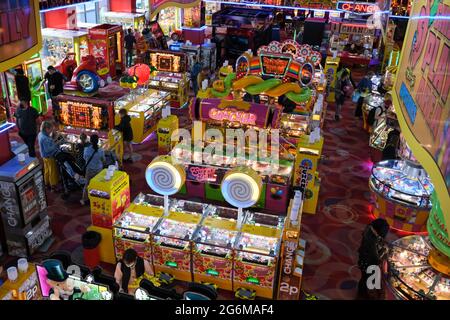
[257, 251]
[212, 252]
[402, 192]
[411, 272]
[135, 226]
[145, 111]
[59, 43]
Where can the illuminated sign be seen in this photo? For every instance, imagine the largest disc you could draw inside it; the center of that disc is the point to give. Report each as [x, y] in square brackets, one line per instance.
[360, 29]
[157, 5]
[168, 62]
[252, 280]
[233, 116]
[172, 264]
[20, 36]
[422, 92]
[212, 272]
[275, 65]
[357, 7]
[82, 115]
[242, 66]
[202, 174]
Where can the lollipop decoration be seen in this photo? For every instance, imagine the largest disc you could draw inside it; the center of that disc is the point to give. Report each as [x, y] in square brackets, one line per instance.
[241, 187]
[165, 178]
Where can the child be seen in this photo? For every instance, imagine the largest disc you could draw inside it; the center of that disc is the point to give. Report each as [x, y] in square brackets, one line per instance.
[127, 132]
[48, 149]
[94, 156]
[129, 268]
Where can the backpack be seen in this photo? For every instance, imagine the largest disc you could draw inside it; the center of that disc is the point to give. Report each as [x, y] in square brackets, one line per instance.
[371, 116]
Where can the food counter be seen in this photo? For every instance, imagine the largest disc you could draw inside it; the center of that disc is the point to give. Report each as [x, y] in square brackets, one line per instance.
[172, 237]
[257, 253]
[402, 191]
[212, 258]
[411, 275]
[135, 226]
[145, 112]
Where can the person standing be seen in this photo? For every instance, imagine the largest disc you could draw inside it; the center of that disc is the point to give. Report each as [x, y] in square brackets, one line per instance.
[55, 81]
[364, 88]
[130, 268]
[124, 126]
[339, 91]
[195, 71]
[23, 86]
[130, 41]
[27, 123]
[95, 158]
[48, 149]
[372, 252]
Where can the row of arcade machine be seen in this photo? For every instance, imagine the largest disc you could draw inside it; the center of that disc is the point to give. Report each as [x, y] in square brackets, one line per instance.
[403, 194]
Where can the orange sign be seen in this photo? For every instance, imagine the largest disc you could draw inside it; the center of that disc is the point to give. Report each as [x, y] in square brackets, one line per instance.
[20, 32]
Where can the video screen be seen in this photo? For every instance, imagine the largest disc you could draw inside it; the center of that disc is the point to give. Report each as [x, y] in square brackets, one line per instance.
[82, 290]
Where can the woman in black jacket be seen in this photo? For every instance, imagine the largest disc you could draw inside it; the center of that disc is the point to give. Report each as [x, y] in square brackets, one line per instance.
[371, 253]
[127, 132]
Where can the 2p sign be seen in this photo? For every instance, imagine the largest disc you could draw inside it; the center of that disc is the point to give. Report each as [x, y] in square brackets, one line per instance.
[357, 7]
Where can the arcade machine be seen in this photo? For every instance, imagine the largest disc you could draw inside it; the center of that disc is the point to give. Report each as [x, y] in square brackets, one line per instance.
[134, 227]
[257, 253]
[245, 29]
[145, 114]
[401, 190]
[57, 43]
[26, 225]
[22, 283]
[173, 236]
[89, 115]
[170, 75]
[106, 41]
[212, 251]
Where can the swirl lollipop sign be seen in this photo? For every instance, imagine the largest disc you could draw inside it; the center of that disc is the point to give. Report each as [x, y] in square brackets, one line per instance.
[165, 178]
[241, 187]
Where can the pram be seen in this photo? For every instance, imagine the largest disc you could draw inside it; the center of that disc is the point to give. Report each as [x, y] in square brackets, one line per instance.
[72, 176]
[71, 172]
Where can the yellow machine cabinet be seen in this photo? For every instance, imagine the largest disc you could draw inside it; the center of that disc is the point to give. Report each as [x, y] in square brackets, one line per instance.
[26, 287]
[165, 128]
[106, 246]
[108, 198]
[115, 144]
[308, 156]
[311, 198]
[331, 65]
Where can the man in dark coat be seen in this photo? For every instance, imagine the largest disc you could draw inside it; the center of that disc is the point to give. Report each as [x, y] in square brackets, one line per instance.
[27, 123]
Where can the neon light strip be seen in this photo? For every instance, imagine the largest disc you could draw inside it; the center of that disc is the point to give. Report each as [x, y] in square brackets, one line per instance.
[69, 5]
[280, 7]
[6, 126]
[194, 29]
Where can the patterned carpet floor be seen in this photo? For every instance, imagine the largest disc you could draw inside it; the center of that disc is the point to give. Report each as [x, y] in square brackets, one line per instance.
[333, 234]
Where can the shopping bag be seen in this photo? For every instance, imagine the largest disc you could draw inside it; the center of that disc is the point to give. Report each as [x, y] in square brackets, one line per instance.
[355, 96]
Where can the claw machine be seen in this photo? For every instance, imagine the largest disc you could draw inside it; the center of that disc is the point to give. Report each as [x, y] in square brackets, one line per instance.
[57, 43]
[172, 239]
[257, 253]
[212, 251]
[134, 227]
